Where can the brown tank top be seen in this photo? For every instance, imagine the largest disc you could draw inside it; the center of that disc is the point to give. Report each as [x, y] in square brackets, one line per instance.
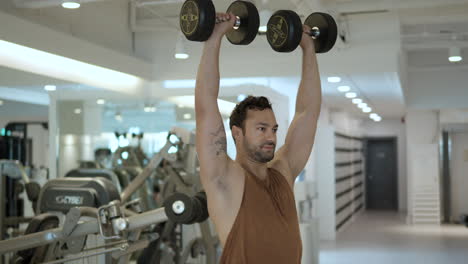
[266, 229]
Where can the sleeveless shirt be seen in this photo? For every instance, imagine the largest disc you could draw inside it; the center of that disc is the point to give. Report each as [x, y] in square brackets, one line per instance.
[266, 229]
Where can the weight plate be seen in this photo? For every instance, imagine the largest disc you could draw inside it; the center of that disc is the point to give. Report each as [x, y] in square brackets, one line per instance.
[197, 19]
[328, 31]
[250, 21]
[284, 31]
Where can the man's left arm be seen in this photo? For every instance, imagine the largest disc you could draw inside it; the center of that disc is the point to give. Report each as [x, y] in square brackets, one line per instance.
[301, 133]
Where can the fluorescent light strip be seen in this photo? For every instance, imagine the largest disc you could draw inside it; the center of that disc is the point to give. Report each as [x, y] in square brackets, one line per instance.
[59, 67]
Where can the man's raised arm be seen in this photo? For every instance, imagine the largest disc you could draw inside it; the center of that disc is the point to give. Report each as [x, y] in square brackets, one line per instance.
[211, 137]
[301, 133]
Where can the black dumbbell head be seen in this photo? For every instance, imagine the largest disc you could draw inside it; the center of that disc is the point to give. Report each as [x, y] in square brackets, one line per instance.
[284, 31]
[328, 31]
[186, 215]
[250, 21]
[197, 19]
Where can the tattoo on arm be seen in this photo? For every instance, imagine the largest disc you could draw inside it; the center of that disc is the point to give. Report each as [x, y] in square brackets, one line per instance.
[219, 141]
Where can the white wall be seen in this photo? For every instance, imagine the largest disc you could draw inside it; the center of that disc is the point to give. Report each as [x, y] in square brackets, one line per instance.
[393, 128]
[437, 88]
[422, 133]
[459, 175]
[346, 124]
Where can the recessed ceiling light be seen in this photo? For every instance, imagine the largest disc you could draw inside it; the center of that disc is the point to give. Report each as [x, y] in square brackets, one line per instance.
[181, 56]
[344, 88]
[50, 88]
[187, 116]
[378, 119]
[351, 95]
[334, 79]
[362, 105]
[373, 115]
[367, 110]
[77, 111]
[100, 101]
[71, 4]
[357, 101]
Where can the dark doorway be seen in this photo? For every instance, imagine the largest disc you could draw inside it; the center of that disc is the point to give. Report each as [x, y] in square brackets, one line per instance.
[381, 174]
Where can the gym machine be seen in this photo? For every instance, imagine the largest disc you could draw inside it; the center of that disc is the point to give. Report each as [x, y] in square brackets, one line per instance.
[119, 227]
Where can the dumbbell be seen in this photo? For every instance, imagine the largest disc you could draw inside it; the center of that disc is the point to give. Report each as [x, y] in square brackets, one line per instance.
[198, 17]
[284, 31]
[184, 209]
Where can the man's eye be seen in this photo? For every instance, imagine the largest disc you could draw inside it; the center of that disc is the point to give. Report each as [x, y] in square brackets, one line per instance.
[261, 128]
[275, 130]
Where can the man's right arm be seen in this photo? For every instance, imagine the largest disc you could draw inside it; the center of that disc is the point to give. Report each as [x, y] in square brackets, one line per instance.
[211, 137]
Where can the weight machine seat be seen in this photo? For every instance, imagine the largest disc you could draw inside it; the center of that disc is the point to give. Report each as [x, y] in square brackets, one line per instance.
[60, 195]
[89, 172]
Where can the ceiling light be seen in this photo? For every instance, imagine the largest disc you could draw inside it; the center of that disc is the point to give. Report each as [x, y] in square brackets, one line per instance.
[362, 105]
[334, 79]
[180, 52]
[351, 95]
[153, 109]
[71, 4]
[187, 116]
[264, 17]
[1, 102]
[357, 101]
[367, 109]
[373, 115]
[77, 111]
[180, 105]
[378, 119]
[344, 89]
[100, 101]
[147, 108]
[50, 88]
[455, 54]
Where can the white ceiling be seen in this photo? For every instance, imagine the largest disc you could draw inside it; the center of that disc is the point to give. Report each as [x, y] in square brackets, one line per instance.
[376, 33]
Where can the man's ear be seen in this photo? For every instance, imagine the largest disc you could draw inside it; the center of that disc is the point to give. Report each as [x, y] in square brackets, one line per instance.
[236, 132]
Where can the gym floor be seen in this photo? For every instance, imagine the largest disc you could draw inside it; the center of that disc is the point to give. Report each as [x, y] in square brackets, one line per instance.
[384, 238]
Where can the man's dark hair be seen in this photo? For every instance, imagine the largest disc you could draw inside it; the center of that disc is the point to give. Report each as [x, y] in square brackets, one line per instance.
[239, 114]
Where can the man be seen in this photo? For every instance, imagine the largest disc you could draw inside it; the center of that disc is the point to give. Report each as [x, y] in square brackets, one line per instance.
[251, 200]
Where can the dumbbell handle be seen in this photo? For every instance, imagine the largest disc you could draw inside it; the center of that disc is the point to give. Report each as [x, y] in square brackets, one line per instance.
[314, 32]
[236, 24]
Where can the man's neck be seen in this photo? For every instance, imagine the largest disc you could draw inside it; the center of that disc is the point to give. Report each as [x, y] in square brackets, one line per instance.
[259, 170]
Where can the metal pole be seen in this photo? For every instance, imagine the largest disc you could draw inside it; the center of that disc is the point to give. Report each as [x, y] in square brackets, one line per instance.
[2, 208]
[90, 227]
[147, 171]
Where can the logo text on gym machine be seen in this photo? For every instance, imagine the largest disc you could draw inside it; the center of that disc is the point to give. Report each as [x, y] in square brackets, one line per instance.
[65, 199]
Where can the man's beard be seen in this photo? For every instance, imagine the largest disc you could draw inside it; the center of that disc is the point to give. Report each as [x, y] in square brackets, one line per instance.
[257, 153]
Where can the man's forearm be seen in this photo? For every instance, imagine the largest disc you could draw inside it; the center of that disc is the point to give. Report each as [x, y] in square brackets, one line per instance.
[309, 95]
[207, 84]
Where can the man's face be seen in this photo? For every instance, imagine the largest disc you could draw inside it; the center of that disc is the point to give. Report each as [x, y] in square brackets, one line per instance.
[259, 139]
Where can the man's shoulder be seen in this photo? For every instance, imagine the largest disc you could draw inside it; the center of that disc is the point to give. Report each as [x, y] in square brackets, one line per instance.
[281, 165]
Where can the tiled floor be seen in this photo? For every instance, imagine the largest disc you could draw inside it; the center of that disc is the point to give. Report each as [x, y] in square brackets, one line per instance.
[384, 238]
